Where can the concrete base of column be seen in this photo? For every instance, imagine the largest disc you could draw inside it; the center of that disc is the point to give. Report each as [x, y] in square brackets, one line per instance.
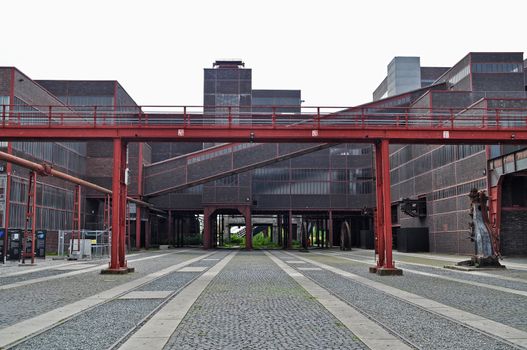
[384, 271]
[121, 271]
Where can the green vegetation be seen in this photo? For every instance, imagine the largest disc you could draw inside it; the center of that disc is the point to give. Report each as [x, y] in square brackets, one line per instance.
[234, 242]
[193, 240]
[262, 242]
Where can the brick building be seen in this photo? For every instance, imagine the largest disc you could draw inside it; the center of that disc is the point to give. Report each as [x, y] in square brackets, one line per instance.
[287, 186]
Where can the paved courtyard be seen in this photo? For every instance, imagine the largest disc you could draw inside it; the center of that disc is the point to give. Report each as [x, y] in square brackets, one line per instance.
[228, 299]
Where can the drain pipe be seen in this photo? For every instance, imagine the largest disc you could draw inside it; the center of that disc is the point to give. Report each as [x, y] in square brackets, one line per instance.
[47, 170]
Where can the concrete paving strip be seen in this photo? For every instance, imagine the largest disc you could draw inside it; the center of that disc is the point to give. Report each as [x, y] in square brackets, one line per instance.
[455, 259]
[147, 294]
[155, 333]
[496, 329]
[77, 272]
[26, 270]
[453, 279]
[20, 331]
[193, 269]
[369, 332]
[74, 267]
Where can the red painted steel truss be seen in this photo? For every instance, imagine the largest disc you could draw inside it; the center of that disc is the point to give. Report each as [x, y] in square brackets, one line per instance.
[380, 126]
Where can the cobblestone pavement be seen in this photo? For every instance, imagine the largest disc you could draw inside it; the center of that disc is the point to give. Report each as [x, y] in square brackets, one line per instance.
[32, 300]
[104, 325]
[421, 328]
[516, 267]
[498, 306]
[31, 275]
[513, 279]
[252, 304]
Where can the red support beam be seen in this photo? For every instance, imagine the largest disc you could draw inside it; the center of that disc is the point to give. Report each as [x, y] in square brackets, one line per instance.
[7, 212]
[117, 260]
[248, 228]
[290, 231]
[207, 234]
[140, 194]
[215, 133]
[76, 227]
[148, 229]
[385, 263]
[330, 228]
[387, 203]
[171, 228]
[137, 227]
[31, 218]
[379, 222]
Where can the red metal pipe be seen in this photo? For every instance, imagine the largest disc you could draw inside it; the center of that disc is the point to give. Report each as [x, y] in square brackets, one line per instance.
[387, 203]
[48, 170]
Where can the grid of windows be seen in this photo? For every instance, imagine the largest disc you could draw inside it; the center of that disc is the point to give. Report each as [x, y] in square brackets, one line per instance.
[231, 180]
[456, 78]
[402, 171]
[459, 190]
[497, 67]
[68, 155]
[51, 204]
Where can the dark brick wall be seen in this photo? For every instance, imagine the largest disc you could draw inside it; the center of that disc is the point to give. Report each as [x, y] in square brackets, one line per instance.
[52, 240]
[79, 87]
[165, 150]
[5, 81]
[513, 234]
[498, 82]
[492, 57]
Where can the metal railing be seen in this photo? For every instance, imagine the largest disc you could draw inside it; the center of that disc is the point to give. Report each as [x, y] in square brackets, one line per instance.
[100, 243]
[263, 117]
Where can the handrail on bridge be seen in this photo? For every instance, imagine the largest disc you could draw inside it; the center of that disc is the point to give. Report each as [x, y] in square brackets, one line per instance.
[260, 117]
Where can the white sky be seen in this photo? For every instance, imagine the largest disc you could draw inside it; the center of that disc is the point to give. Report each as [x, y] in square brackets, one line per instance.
[335, 51]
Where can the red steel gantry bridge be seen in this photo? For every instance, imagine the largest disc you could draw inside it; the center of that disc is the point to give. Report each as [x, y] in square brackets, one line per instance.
[380, 126]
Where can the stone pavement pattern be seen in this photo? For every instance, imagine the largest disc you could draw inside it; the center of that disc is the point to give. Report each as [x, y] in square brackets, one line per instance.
[252, 304]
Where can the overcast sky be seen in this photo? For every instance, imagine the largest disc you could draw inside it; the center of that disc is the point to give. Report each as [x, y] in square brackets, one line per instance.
[336, 52]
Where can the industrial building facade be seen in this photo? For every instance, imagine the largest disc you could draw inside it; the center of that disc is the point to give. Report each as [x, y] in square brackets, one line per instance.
[289, 184]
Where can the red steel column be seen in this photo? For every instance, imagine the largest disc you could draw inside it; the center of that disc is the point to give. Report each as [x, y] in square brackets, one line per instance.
[117, 261]
[379, 227]
[148, 229]
[122, 206]
[9, 168]
[248, 228]
[387, 203]
[140, 194]
[137, 227]
[171, 237]
[290, 231]
[207, 239]
[330, 228]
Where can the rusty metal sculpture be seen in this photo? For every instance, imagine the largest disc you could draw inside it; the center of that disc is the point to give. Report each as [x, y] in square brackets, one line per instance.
[345, 236]
[485, 240]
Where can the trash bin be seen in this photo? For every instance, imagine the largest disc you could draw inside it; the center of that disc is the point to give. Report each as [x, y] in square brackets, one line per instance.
[14, 244]
[2, 236]
[40, 244]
